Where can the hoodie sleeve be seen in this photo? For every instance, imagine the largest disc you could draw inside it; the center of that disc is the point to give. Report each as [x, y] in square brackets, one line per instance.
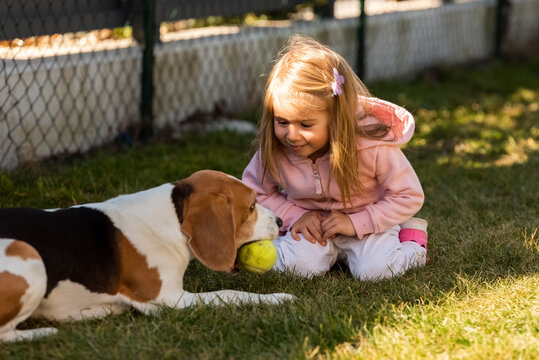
[268, 193]
[402, 194]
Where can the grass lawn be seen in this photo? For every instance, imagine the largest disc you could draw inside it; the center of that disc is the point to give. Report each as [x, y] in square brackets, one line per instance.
[476, 151]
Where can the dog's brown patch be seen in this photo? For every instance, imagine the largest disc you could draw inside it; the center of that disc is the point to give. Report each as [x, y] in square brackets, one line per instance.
[138, 281]
[22, 250]
[13, 288]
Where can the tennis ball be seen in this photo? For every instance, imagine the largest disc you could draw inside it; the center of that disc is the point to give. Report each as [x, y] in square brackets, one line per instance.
[258, 257]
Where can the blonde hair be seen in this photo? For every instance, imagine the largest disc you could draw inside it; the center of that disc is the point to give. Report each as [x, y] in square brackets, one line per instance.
[303, 72]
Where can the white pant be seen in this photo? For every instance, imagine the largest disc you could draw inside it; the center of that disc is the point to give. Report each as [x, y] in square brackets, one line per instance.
[375, 257]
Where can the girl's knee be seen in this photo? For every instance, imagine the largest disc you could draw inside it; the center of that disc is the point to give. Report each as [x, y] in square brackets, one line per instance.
[302, 257]
[373, 271]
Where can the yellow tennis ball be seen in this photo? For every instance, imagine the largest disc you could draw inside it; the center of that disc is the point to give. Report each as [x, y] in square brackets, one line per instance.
[258, 257]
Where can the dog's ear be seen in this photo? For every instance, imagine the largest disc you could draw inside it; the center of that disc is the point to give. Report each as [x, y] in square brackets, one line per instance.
[209, 222]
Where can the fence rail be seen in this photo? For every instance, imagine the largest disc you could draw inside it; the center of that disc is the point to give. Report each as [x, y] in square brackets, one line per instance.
[74, 76]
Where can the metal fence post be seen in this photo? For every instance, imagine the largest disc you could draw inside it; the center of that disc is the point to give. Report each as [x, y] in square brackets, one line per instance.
[361, 40]
[149, 26]
[501, 22]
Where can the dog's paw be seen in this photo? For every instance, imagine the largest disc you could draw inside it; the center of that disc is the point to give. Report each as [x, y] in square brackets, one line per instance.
[278, 298]
[27, 335]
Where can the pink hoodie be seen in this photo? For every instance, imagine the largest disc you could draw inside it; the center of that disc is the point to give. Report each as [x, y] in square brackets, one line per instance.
[393, 191]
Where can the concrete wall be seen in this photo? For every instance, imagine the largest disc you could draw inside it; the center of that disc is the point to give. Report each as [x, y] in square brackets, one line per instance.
[523, 25]
[228, 67]
[64, 105]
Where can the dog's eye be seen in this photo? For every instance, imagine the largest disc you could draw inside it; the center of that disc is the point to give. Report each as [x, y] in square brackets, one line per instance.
[252, 208]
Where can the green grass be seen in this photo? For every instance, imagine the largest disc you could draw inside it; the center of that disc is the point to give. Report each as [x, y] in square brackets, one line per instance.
[476, 153]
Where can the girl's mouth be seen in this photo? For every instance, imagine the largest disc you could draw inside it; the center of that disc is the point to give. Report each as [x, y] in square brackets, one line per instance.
[296, 147]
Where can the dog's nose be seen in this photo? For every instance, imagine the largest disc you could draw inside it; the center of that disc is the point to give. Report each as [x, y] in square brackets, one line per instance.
[279, 221]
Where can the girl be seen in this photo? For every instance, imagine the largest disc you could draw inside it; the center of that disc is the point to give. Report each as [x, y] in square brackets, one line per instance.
[329, 164]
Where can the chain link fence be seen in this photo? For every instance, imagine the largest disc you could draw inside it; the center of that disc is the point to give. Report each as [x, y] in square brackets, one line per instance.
[76, 75]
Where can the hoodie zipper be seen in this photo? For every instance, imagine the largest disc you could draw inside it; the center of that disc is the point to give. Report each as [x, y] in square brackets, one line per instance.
[317, 181]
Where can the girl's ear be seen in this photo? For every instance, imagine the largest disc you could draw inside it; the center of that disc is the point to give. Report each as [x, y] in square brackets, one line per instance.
[209, 224]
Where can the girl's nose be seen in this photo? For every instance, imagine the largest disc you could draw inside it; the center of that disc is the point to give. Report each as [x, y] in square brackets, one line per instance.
[293, 133]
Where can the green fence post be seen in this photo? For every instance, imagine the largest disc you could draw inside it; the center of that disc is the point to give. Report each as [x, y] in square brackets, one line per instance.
[361, 40]
[149, 25]
[502, 18]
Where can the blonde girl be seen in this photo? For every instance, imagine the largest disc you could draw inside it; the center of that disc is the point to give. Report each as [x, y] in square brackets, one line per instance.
[329, 164]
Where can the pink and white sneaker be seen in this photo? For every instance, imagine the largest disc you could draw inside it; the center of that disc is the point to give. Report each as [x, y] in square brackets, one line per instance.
[414, 229]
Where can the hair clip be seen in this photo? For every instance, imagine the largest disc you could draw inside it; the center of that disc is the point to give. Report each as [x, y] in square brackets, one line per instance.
[337, 82]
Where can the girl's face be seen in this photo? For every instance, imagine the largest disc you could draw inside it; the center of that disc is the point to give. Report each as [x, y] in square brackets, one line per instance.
[305, 133]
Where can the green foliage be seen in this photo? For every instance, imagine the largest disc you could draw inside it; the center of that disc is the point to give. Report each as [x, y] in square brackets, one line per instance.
[476, 153]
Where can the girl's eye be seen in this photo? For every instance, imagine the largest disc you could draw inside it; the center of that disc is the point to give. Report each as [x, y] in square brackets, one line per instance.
[306, 126]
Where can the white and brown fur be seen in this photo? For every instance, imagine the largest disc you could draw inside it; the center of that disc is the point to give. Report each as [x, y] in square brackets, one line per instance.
[91, 260]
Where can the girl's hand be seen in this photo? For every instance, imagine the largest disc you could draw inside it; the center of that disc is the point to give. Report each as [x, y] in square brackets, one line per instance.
[337, 223]
[309, 224]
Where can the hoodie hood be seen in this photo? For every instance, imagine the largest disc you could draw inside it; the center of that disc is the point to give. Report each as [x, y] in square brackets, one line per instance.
[373, 110]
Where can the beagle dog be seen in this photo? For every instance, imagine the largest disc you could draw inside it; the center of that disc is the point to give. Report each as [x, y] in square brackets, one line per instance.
[91, 260]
